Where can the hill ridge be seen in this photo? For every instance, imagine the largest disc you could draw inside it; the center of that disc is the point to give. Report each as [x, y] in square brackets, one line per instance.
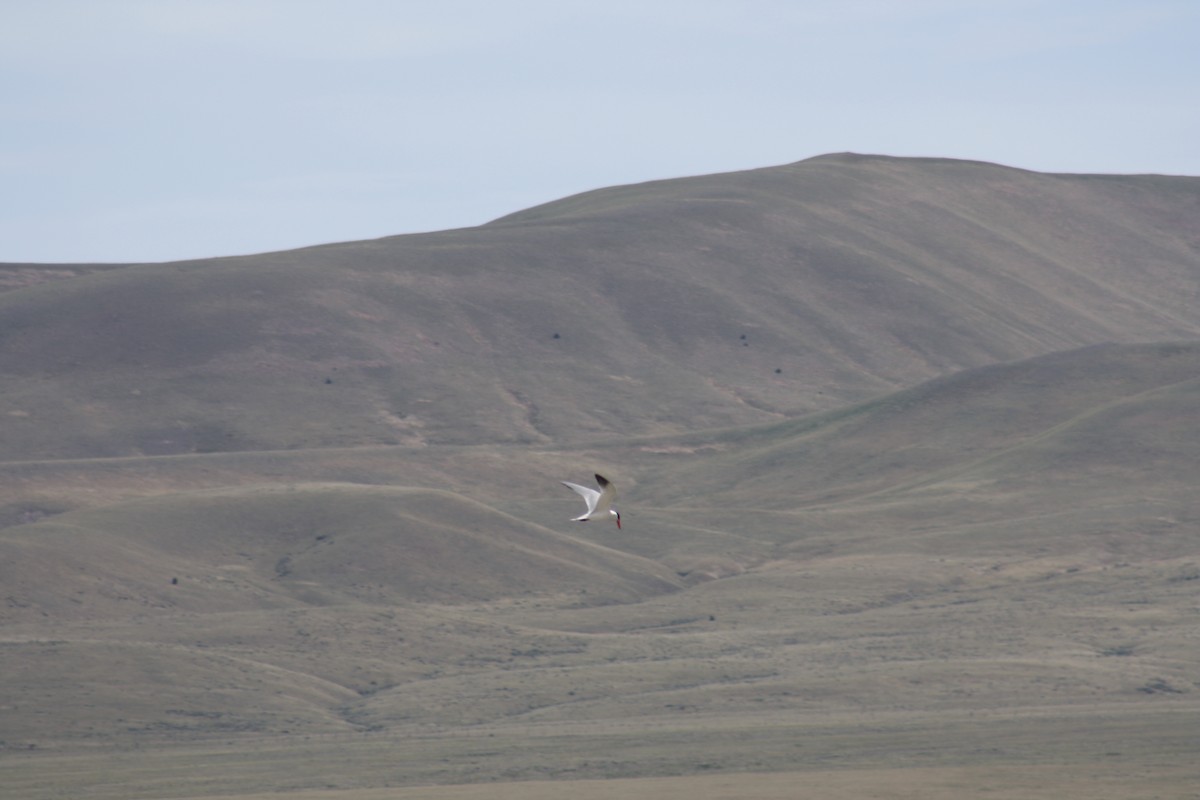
[679, 304]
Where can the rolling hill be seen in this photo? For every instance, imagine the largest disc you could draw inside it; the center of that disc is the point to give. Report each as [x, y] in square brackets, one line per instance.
[657, 308]
[312, 544]
[906, 451]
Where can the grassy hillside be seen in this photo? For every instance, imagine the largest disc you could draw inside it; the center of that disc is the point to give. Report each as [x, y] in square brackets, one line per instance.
[287, 546]
[1016, 539]
[906, 459]
[1065, 412]
[656, 308]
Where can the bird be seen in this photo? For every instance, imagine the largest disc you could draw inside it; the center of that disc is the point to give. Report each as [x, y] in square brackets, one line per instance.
[599, 504]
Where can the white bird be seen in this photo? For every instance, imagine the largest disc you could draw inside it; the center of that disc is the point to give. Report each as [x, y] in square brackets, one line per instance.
[599, 504]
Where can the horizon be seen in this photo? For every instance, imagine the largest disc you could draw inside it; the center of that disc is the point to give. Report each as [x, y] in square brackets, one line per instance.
[162, 132]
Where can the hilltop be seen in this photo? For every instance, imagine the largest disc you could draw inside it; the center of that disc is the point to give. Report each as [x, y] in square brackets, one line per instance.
[656, 308]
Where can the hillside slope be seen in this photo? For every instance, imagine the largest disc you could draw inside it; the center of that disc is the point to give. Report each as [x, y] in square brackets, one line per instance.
[1017, 539]
[292, 546]
[967, 423]
[906, 459]
[656, 308]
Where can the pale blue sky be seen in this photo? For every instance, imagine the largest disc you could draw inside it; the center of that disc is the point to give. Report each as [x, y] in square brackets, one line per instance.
[150, 130]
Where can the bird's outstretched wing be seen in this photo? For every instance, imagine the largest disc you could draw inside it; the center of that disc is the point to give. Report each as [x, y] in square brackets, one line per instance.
[590, 496]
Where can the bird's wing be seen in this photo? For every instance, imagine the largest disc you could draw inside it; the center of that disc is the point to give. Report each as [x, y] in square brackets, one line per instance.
[590, 496]
[606, 498]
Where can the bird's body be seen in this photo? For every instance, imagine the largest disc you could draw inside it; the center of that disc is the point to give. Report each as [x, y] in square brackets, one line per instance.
[599, 503]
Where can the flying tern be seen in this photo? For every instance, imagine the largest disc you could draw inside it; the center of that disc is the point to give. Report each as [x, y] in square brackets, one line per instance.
[599, 503]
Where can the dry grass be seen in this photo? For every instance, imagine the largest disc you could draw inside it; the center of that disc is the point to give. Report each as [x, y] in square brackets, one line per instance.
[245, 548]
[1106, 750]
[1003, 783]
[724, 300]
